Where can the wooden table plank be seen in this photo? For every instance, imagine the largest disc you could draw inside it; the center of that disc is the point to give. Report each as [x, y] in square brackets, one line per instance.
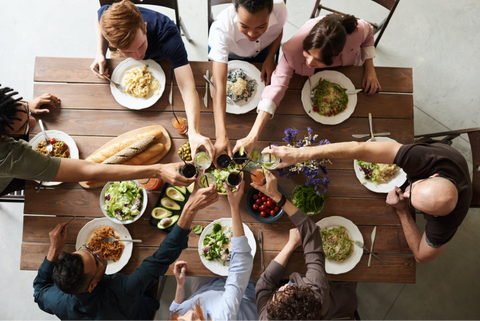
[400, 266]
[80, 96]
[77, 70]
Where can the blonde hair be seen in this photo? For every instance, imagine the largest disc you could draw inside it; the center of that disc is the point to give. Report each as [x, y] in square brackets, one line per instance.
[119, 24]
[198, 310]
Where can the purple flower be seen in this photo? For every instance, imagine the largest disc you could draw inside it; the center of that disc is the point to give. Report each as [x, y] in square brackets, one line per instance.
[309, 130]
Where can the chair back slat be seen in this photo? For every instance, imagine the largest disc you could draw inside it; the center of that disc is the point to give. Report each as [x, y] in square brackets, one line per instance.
[474, 138]
[388, 4]
[210, 4]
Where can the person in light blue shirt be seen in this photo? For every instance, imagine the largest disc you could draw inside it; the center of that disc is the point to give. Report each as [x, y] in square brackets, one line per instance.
[221, 299]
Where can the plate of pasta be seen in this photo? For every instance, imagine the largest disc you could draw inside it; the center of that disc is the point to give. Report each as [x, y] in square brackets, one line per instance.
[117, 254]
[143, 80]
[63, 146]
[333, 105]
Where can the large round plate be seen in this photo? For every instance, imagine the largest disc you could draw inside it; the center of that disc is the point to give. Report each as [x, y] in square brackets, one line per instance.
[119, 75]
[86, 234]
[336, 77]
[242, 106]
[58, 135]
[215, 266]
[398, 180]
[334, 267]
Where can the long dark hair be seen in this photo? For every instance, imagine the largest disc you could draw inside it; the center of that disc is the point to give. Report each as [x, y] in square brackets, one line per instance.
[8, 109]
[330, 35]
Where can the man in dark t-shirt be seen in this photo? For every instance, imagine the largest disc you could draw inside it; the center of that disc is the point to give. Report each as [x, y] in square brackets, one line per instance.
[439, 185]
[140, 33]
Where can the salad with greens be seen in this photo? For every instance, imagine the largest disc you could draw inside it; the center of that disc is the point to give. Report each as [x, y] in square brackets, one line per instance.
[330, 98]
[217, 245]
[123, 200]
[305, 198]
[378, 173]
[336, 243]
[221, 176]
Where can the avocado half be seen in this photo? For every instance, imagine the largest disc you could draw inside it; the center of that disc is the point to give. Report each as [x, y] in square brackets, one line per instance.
[175, 194]
[182, 189]
[170, 204]
[160, 212]
[167, 222]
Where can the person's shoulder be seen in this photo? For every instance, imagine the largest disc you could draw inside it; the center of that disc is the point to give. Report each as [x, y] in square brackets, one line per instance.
[152, 16]
[279, 7]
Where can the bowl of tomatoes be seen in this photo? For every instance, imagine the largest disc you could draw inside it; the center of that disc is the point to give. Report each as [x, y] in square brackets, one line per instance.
[263, 208]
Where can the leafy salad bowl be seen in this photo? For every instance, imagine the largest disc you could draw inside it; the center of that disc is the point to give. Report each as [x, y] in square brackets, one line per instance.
[309, 201]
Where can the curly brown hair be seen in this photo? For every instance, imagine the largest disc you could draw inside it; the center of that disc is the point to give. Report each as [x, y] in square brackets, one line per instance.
[295, 303]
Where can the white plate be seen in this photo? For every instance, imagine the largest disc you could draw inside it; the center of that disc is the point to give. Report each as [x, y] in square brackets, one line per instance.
[114, 220]
[336, 77]
[86, 234]
[216, 266]
[58, 135]
[398, 180]
[119, 75]
[334, 267]
[242, 107]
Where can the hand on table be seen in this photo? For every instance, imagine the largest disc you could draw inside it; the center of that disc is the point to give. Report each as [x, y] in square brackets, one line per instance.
[170, 174]
[180, 272]
[248, 144]
[270, 188]
[286, 154]
[396, 200]
[294, 238]
[370, 82]
[45, 99]
[100, 64]
[267, 69]
[222, 144]
[196, 140]
[235, 197]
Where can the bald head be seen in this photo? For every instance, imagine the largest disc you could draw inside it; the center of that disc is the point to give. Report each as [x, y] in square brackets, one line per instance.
[435, 196]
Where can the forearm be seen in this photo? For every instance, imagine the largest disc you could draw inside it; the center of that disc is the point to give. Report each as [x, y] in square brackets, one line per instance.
[186, 219]
[180, 294]
[53, 254]
[288, 207]
[284, 255]
[411, 231]
[237, 222]
[186, 85]
[369, 65]
[102, 43]
[260, 122]
[220, 71]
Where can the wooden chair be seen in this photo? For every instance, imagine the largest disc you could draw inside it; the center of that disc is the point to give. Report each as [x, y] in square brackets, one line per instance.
[391, 5]
[474, 137]
[172, 4]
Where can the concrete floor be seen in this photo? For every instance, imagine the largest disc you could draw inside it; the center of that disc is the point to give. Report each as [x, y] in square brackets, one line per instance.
[438, 39]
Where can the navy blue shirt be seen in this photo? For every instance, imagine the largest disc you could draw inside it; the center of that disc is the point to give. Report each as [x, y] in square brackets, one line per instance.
[164, 39]
[118, 296]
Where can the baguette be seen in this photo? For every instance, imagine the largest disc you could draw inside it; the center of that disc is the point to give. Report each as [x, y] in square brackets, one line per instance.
[147, 155]
[130, 152]
[107, 152]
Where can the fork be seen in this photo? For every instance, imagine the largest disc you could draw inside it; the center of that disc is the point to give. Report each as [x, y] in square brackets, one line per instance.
[109, 239]
[373, 139]
[229, 100]
[312, 94]
[118, 86]
[361, 245]
[49, 145]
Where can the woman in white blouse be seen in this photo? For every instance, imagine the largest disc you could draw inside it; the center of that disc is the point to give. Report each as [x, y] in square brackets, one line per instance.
[250, 31]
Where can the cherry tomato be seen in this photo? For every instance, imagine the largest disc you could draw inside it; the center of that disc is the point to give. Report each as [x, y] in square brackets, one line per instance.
[64, 146]
[262, 207]
[269, 203]
[272, 212]
[260, 194]
[329, 114]
[269, 199]
[328, 101]
[255, 207]
[258, 201]
[67, 153]
[315, 108]
[277, 209]
[264, 198]
[345, 106]
[335, 110]
[263, 214]
[52, 140]
[255, 196]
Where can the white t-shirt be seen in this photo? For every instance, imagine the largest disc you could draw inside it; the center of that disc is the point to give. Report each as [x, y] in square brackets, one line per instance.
[226, 40]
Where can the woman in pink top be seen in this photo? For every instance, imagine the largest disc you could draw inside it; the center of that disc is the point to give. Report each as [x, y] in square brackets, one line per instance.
[330, 41]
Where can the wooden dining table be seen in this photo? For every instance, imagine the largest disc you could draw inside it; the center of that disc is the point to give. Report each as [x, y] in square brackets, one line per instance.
[92, 117]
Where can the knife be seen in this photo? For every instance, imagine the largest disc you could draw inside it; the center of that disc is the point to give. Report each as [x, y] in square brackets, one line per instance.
[368, 135]
[205, 98]
[371, 127]
[362, 246]
[353, 91]
[260, 241]
[374, 233]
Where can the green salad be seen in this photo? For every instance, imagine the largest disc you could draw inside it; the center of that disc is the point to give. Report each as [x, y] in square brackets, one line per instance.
[305, 198]
[217, 245]
[336, 243]
[330, 98]
[123, 200]
[221, 176]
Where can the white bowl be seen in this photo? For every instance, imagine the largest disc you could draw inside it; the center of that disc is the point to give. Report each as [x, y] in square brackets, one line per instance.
[144, 205]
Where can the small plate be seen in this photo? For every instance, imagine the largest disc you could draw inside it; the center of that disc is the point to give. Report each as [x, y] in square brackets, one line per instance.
[58, 135]
[336, 77]
[334, 267]
[119, 75]
[216, 266]
[86, 234]
[398, 180]
[242, 107]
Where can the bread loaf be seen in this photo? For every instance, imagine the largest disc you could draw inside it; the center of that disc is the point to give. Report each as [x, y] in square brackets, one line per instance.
[147, 155]
[104, 153]
[130, 152]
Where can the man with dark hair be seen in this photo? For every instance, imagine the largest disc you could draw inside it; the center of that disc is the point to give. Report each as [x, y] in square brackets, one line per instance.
[74, 286]
[254, 6]
[18, 161]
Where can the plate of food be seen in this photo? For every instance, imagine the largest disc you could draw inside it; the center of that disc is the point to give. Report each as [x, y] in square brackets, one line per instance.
[333, 105]
[123, 202]
[221, 176]
[216, 256]
[379, 178]
[117, 254]
[244, 87]
[144, 82]
[338, 234]
[63, 146]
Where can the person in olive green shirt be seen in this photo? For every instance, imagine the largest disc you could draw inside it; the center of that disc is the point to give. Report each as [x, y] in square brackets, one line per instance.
[19, 162]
